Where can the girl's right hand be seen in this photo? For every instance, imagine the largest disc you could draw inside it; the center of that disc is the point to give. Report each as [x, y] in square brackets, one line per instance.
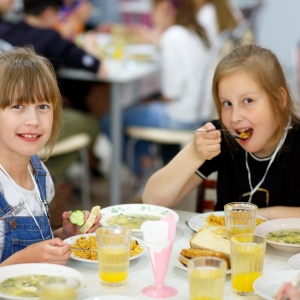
[53, 251]
[207, 144]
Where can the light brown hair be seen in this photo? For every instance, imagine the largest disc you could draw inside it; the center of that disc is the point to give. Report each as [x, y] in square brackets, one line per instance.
[265, 69]
[186, 11]
[31, 78]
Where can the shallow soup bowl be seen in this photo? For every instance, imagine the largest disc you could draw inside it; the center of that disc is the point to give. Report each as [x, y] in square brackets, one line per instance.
[132, 216]
[282, 227]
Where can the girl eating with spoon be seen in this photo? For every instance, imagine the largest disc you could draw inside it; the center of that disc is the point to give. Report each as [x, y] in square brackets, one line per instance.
[254, 102]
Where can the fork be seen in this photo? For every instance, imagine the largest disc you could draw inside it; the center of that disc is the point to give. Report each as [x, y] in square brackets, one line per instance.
[225, 130]
[82, 249]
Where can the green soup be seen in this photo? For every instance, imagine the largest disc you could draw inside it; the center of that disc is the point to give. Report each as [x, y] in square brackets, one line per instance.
[287, 236]
[130, 221]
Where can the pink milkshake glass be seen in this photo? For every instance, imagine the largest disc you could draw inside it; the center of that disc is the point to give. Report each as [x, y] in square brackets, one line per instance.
[159, 237]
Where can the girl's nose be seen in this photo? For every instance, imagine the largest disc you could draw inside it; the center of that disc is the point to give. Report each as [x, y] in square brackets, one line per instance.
[237, 114]
[31, 117]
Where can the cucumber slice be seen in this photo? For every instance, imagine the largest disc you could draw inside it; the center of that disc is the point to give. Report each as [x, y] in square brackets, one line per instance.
[77, 217]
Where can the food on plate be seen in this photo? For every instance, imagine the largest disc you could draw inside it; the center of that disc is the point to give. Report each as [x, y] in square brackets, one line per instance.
[187, 254]
[217, 223]
[131, 221]
[23, 286]
[206, 243]
[287, 236]
[90, 243]
[91, 219]
[206, 239]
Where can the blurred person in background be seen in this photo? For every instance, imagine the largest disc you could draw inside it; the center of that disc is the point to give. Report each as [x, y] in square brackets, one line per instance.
[183, 47]
[216, 16]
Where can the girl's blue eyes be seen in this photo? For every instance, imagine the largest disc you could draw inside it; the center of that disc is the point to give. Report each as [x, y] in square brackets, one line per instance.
[42, 106]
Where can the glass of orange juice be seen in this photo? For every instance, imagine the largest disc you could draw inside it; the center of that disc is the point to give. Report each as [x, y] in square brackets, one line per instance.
[113, 243]
[240, 218]
[247, 260]
[207, 278]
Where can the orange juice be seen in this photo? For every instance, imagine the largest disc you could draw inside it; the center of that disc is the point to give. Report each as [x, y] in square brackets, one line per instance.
[207, 281]
[244, 282]
[247, 259]
[239, 229]
[113, 264]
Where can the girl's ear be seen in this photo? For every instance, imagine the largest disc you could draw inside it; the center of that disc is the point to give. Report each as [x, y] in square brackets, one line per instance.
[283, 93]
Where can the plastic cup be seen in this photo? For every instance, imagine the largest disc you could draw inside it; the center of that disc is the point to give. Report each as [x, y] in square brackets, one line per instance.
[113, 243]
[59, 288]
[207, 278]
[247, 260]
[240, 218]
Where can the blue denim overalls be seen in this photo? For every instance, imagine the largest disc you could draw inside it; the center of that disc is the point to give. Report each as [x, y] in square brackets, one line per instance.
[21, 232]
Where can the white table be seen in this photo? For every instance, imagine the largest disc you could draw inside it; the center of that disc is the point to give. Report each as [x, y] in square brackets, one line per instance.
[141, 275]
[119, 76]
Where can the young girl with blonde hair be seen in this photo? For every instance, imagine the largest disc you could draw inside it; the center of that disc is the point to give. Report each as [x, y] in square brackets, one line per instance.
[252, 99]
[30, 120]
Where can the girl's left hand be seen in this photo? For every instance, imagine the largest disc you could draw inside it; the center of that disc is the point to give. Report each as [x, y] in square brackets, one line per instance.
[70, 229]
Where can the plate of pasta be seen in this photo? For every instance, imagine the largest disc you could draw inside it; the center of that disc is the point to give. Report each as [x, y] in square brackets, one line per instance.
[88, 241]
[214, 221]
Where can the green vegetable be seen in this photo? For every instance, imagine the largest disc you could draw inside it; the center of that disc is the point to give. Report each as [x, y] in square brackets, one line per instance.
[77, 217]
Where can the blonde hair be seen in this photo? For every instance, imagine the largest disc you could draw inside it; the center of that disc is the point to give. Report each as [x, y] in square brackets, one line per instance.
[225, 16]
[264, 68]
[30, 78]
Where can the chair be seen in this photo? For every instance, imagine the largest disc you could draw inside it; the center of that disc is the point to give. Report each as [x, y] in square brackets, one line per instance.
[206, 196]
[80, 143]
[221, 46]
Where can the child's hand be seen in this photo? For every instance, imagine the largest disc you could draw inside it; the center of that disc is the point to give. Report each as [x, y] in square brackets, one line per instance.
[53, 251]
[287, 291]
[70, 229]
[207, 144]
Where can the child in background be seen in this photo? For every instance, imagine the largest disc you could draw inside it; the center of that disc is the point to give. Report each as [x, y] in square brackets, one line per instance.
[30, 119]
[252, 98]
[183, 52]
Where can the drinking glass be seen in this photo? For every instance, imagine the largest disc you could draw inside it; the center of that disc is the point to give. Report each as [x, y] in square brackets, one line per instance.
[240, 218]
[59, 288]
[247, 260]
[113, 243]
[207, 278]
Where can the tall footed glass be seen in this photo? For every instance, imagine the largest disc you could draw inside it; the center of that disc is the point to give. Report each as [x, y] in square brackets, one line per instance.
[159, 237]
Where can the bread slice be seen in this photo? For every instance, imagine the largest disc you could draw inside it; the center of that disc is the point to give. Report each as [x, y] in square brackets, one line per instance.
[206, 239]
[187, 254]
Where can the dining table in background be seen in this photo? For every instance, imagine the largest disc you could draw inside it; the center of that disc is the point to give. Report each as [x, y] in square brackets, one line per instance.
[129, 81]
[141, 274]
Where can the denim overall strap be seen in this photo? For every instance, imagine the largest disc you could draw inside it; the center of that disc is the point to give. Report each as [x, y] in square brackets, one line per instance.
[39, 176]
[20, 232]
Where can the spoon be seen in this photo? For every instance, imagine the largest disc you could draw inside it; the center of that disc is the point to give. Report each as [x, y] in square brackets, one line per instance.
[235, 136]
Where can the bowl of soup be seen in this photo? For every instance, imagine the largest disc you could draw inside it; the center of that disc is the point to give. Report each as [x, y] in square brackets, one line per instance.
[132, 216]
[281, 234]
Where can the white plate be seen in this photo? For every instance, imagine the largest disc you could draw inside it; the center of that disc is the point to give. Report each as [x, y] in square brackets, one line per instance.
[199, 221]
[72, 240]
[264, 228]
[177, 263]
[294, 262]
[268, 285]
[39, 269]
[140, 209]
[111, 297]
